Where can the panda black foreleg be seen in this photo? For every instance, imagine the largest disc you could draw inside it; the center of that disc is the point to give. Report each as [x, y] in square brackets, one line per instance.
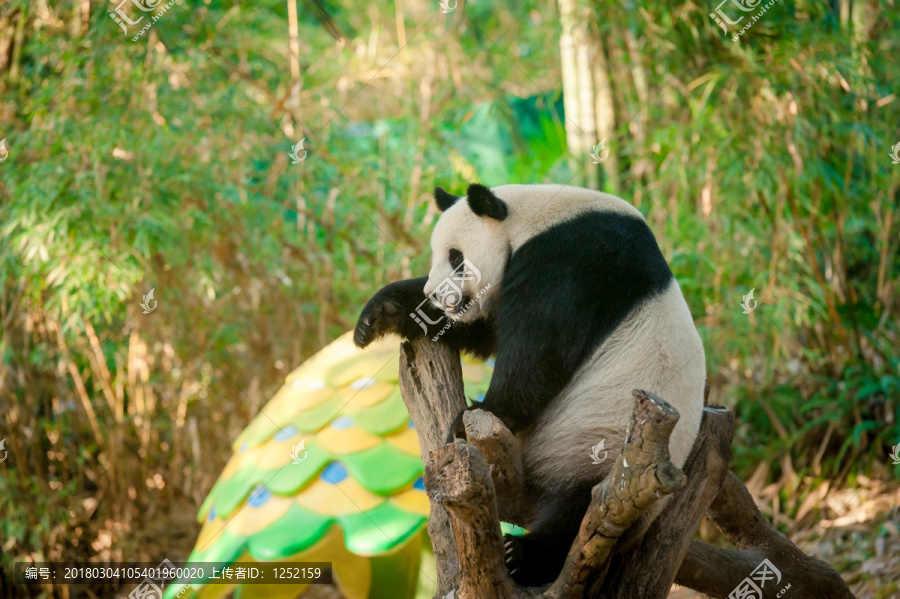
[478, 338]
[536, 558]
[402, 308]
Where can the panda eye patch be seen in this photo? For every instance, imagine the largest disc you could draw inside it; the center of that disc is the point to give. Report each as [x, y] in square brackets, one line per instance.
[456, 258]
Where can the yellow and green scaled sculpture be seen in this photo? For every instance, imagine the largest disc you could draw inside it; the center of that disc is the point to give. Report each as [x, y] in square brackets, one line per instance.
[351, 493]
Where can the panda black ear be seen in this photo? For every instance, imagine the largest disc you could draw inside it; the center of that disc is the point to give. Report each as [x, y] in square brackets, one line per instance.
[444, 200]
[484, 203]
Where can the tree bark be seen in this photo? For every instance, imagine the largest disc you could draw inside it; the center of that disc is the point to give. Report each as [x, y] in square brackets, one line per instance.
[486, 432]
[458, 477]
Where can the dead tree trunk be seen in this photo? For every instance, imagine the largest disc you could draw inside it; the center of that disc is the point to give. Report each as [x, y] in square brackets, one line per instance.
[474, 484]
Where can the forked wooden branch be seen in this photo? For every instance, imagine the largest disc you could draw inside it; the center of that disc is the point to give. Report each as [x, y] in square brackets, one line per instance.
[458, 477]
[641, 475]
[475, 484]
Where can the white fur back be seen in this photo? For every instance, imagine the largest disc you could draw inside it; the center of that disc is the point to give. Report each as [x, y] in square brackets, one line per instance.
[535, 208]
[657, 349]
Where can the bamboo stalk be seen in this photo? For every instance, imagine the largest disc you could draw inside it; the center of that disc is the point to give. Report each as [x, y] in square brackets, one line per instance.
[569, 73]
[399, 19]
[77, 380]
[294, 53]
[425, 95]
[101, 370]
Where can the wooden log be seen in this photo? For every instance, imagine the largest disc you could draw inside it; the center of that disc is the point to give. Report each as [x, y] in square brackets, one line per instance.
[432, 388]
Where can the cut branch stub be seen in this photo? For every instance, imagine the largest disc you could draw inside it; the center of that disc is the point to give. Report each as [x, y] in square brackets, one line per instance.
[498, 446]
[669, 535]
[458, 477]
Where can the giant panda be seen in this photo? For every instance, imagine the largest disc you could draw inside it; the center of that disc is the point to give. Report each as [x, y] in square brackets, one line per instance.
[568, 290]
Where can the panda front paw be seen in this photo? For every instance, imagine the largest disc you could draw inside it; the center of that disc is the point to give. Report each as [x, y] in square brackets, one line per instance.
[388, 312]
[380, 317]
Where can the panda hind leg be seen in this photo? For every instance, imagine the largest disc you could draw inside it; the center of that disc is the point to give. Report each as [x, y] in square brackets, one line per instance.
[536, 558]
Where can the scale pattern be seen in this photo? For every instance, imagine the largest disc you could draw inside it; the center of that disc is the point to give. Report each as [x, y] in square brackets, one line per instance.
[355, 497]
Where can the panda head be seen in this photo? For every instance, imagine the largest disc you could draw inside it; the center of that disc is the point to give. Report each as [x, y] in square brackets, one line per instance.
[469, 251]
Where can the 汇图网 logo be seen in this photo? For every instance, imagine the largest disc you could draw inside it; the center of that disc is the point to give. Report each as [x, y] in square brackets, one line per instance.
[595, 452]
[123, 20]
[599, 153]
[752, 586]
[748, 303]
[721, 18]
[155, 6]
[295, 153]
[148, 300]
[895, 153]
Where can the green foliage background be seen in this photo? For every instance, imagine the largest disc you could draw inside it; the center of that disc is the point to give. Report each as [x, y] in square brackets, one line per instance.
[163, 163]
